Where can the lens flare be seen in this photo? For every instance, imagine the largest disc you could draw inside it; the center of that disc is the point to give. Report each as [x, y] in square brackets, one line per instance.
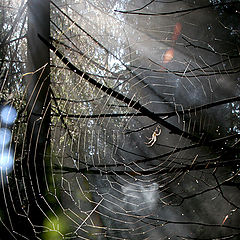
[168, 56]
[177, 31]
[6, 159]
[8, 115]
[5, 136]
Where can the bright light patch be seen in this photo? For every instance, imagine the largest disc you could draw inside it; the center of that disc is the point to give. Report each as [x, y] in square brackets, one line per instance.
[5, 136]
[8, 115]
[6, 159]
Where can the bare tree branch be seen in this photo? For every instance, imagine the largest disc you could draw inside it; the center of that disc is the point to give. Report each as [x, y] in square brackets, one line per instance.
[130, 102]
[189, 10]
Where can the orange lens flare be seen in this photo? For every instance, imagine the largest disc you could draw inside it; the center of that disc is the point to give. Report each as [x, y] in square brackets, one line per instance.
[177, 31]
[168, 56]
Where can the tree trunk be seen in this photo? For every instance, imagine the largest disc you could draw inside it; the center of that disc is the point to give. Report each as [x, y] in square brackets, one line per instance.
[38, 97]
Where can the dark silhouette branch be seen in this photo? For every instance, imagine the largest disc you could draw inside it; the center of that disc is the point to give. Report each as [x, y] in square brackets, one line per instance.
[165, 221]
[217, 188]
[73, 101]
[91, 169]
[141, 8]
[209, 163]
[200, 69]
[211, 50]
[130, 102]
[103, 115]
[189, 10]
[99, 44]
[91, 37]
[222, 194]
[166, 114]
[205, 73]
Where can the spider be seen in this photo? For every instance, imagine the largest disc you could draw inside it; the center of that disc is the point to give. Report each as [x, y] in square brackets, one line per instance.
[153, 139]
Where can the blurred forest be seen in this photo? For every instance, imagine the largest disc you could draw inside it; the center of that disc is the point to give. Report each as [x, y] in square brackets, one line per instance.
[120, 119]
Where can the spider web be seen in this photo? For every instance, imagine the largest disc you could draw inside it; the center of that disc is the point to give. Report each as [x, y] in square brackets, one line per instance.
[143, 128]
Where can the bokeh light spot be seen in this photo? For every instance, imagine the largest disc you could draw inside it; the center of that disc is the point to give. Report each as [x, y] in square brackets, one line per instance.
[6, 159]
[5, 136]
[8, 115]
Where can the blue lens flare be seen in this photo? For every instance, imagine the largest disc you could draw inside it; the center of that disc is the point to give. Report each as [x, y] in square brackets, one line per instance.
[6, 159]
[5, 136]
[8, 115]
